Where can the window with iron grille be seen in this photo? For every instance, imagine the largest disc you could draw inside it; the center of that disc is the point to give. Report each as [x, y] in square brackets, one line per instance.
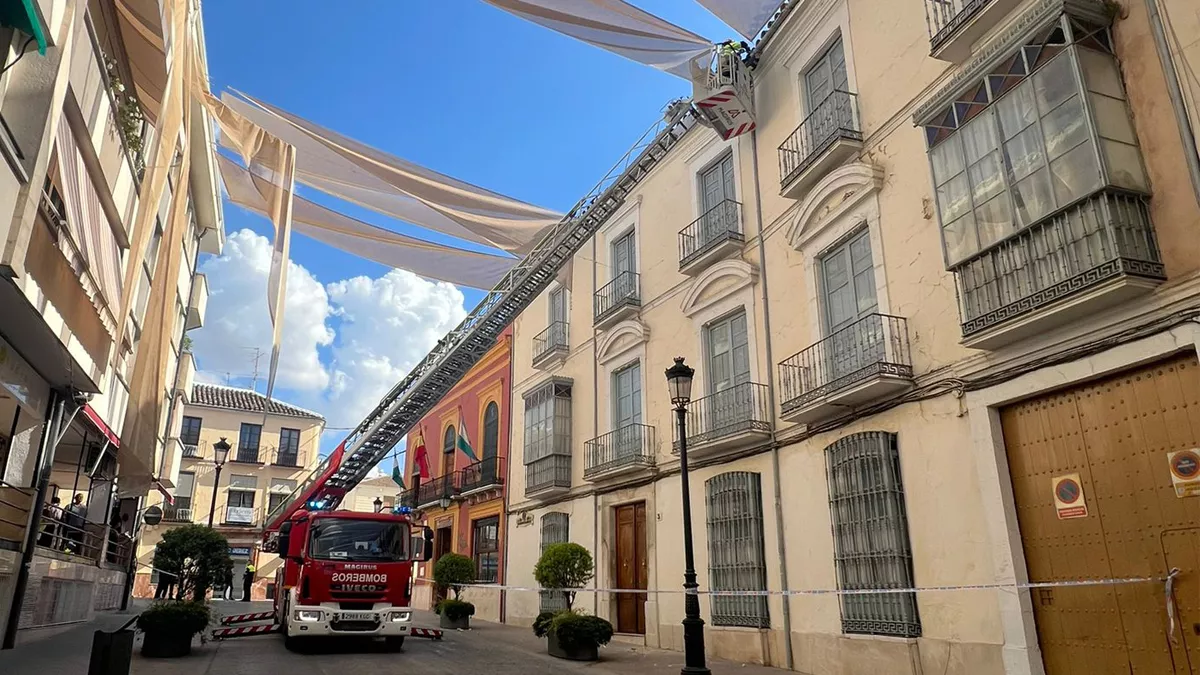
[486, 549]
[556, 529]
[547, 446]
[736, 557]
[870, 534]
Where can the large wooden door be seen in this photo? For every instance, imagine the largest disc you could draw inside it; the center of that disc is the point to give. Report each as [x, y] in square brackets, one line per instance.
[1115, 433]
[631, 567]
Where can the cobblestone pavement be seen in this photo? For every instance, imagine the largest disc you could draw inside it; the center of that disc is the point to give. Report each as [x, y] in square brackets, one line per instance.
[490, 649]
[487, 648]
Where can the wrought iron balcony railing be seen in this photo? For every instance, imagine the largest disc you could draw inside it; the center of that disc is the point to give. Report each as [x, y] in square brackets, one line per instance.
[286, 457]
[876, 344]
[834, 118]
[629, 446]
[719, 224]
[550, 472]
[179, 512]
[192, 448]
[739, 409]
[553, 339]
[946, 17]
[448, 486]
[247, 454]
[485, 473]
[1101, 238]
[624, 290]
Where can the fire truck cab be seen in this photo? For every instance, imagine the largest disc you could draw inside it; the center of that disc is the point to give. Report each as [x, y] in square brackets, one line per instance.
[347, 574]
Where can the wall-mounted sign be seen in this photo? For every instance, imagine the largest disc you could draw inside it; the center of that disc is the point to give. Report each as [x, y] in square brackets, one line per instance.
[1185, 472]
[1068, 496]
[239, 551]
[526, 518]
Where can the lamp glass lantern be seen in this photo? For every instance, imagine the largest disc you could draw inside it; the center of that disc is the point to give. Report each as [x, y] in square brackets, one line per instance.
[221, 451]
[679, 382]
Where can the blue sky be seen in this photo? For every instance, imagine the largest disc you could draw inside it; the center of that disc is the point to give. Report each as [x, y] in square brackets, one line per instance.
[455, 85]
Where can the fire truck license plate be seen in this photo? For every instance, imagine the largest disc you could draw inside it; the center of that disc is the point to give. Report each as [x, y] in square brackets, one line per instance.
[358, 616]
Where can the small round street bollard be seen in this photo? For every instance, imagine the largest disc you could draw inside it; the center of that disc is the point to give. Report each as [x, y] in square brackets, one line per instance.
[112, 652]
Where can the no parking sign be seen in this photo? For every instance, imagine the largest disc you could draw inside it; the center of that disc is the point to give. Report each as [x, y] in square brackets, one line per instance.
[1068, 497]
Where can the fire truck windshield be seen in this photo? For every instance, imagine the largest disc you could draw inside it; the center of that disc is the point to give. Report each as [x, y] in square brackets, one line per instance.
[359, 540]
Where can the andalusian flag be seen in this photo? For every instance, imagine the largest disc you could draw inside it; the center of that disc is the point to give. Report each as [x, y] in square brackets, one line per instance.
[397, 474]
[463, 443]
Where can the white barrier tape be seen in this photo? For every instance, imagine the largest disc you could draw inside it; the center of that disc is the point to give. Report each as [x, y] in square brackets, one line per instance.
[831, 591]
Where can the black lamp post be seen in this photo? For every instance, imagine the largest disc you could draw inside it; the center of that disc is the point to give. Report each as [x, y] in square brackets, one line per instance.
[679, 381]
[220, 454]
[378, 504]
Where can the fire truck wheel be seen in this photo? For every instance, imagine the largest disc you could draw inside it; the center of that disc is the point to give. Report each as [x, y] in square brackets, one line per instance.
[293, 643]
[394, 643]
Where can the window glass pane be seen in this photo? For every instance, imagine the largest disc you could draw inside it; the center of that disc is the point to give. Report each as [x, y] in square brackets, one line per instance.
[841, 307]
[1065, 127]
[986, 179]
[1075, 174]
[1017, 110]
[947, 159]
[187, 481]
[1125, 166]
[1054, 83]
[979, 137]
[960, 239]
[953, 199]
[1100, 71]
[1112, 119]
[1033, 197]
[993, 220]
[1024, 153]
[245, 482]
[860, 253]
[864, 290]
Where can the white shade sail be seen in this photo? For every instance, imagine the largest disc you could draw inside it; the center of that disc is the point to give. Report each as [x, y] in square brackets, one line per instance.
[424, 258]
[745, 16]
[346, 168]
[619, 27]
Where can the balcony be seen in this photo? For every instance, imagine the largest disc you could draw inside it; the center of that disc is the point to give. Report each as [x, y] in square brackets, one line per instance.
[448, 486]
[193, 448]
[482, 475]
[830, 136]
[551, 345]
[550, 475]
[179, 512]
[956, 25]
[185, 377]
[713, 236]
[618, 300]
[1090, 256]
[289, 457]
[730, 419]
[866, 361]
[198, 303]
[248, 455]
[627, 450]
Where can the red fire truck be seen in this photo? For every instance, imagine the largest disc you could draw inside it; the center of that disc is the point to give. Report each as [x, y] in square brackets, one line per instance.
[346, 574]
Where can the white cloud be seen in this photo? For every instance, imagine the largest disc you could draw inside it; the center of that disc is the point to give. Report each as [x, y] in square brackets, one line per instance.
[376, 329]
[236, 321]
[387, 325]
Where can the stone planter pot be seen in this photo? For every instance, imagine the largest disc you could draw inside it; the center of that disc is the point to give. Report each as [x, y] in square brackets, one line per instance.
[451, 624]
[571, 652]
[158, 645]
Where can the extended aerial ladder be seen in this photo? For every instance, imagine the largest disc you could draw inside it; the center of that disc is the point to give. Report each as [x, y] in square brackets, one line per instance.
[447, 363]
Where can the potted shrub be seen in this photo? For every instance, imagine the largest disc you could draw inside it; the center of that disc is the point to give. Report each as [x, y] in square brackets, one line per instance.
[170, 626]
[452, 572]
[569, 634]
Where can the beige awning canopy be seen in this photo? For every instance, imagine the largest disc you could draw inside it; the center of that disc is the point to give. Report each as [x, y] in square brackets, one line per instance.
[142, 34]
[424, 258]
[350, 170]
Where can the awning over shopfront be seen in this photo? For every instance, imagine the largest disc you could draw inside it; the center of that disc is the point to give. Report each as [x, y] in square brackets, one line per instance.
[23, 15]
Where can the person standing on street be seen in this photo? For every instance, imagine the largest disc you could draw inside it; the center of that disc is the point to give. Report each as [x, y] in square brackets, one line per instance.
[76, 517]
[248, 581]
[52, 529]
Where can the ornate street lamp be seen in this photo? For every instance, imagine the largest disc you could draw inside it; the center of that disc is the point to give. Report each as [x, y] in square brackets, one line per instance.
[220, 454]
[378, 504]
[679, 382]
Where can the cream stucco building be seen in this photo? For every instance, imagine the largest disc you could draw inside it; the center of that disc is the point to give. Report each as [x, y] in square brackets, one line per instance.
[270, 455]
[950, 279]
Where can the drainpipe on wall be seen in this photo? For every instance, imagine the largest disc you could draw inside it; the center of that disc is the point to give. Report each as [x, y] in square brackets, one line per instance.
[595, 429]
[1186, 133]
[43, 465]
[762, 266]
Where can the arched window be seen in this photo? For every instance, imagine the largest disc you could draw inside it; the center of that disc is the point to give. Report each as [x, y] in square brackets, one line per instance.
[449, 440]
[491, 431]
